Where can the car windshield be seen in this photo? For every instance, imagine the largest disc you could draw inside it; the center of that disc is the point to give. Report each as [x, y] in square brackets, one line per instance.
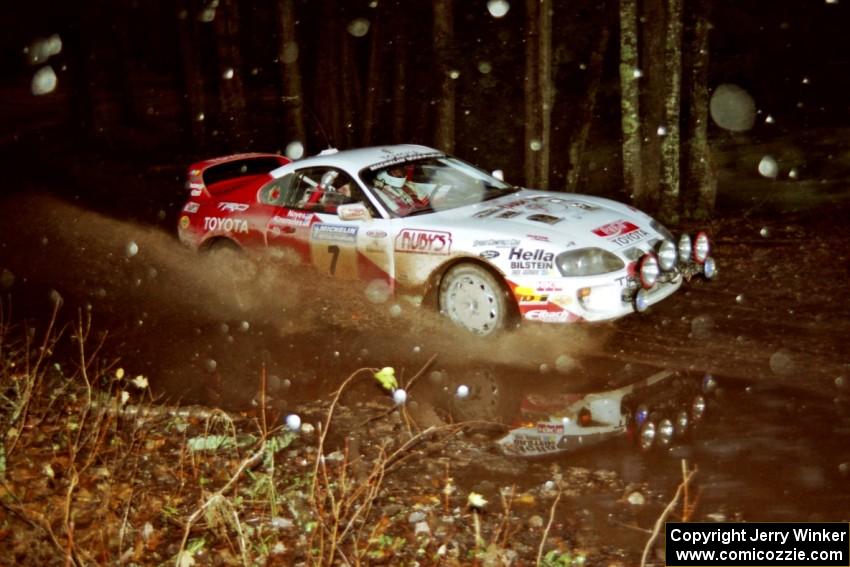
[431, 184]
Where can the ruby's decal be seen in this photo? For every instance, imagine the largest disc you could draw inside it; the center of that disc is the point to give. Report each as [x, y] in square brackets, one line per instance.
[616, 228]
[424, 242]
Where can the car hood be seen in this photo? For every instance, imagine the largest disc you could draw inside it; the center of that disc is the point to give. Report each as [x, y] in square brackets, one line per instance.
[563, 219]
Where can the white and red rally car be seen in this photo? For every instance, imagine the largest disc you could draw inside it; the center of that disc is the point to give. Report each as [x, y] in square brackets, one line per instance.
[426, 225]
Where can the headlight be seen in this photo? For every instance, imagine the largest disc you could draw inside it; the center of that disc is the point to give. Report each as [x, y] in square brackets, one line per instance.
[684, 248]
[648, 270]
[702, 247]
[666, 252]
[588, 262]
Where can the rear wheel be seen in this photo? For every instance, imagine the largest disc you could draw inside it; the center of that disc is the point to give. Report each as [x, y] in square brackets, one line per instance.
[475, 299]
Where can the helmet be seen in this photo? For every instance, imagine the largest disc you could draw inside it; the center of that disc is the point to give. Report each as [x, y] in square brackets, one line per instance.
[395, 181]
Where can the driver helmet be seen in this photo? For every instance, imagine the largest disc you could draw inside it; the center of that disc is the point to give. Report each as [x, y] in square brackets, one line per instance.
[393, 176]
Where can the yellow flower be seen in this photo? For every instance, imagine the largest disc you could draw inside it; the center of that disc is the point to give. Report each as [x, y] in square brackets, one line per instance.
[386, 376]
[475, 500]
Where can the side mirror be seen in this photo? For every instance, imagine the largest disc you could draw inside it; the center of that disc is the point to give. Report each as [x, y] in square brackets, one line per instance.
[353, 211]
[498, 174]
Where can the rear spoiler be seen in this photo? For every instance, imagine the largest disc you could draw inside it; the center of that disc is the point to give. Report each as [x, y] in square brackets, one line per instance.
[210, 175]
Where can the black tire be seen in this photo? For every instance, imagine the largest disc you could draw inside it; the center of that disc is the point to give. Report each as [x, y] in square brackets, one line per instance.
[475, 299]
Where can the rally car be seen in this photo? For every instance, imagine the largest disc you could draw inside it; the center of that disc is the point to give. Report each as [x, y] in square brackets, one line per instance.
[430, 227]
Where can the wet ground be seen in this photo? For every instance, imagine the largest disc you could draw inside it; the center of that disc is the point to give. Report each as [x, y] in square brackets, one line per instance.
[772, 330]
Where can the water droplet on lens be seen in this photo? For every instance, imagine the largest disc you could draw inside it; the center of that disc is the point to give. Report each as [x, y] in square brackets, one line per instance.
[498, 8]
[210, 365]
[132, 249]
[358, 27]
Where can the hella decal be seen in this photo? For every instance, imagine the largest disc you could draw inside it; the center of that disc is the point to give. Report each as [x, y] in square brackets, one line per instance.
[225, 225]
[522, 259]
[424, 242]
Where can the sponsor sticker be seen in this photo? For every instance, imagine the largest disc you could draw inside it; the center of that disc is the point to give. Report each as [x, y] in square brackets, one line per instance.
[547, 219]
[534, 443]
[545, 316]
[184, 222]
[621, 233]
[293, 218]
[376, 234]
[424, 242]
[334, 233]
[485, 213]
[550, 427]
[489, 254]
[538, 237]
[616, 228]
[232, 207]
[490, 243]
[191, 207]
[217, 224]
[523, 259]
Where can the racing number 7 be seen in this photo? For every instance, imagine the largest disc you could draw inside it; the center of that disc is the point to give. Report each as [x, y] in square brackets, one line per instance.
[334, 250]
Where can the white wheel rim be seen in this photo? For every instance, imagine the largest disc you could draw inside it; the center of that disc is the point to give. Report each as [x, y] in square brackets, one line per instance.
[471, 302]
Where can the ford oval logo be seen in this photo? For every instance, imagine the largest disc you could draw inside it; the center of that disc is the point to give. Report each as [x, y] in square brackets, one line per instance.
[489, 254]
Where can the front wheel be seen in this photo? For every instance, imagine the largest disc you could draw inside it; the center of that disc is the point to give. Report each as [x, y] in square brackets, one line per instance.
[475, 299]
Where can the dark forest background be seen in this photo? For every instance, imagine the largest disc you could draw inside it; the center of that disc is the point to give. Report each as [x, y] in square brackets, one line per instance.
[145, 87]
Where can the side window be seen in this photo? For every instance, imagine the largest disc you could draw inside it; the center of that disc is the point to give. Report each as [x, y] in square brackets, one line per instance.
[323, 189]
[277, 192]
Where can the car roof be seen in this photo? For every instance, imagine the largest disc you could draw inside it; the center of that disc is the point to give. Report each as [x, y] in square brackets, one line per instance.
[356, 159]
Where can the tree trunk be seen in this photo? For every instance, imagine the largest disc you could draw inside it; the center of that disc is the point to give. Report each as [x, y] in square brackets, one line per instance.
[374, 76]
[399, 105]
[629, 98]
[290, 67]
[533, 117]
[584, 113]
[699, 202]
[349, 85]
[670, 140]
[232, 92]
[326, 92]
[193, 80]
[652, 100]
[444, 135]
[547, 93]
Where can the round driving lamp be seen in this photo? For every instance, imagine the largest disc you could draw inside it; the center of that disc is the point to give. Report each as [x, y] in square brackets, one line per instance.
[648, 270]
[641, 413]
[702, 247]
[647, 436]
[641, 301]
[685, 248]
[682, 421]
[665, 432]
[698, 408]
[709, 268]
[667, 255]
